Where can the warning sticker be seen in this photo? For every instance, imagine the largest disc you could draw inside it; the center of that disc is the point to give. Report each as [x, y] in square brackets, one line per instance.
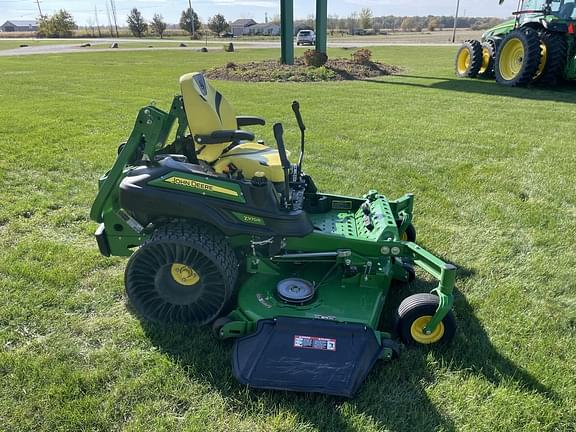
[313, 342]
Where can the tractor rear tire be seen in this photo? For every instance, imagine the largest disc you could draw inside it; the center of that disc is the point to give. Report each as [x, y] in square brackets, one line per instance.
[414, 313]
[184, 274]
[518, 58]
[488, 57]
[554, 49]
[469, 59]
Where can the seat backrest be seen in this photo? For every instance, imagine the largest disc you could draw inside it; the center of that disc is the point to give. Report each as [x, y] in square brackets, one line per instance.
[207, 111]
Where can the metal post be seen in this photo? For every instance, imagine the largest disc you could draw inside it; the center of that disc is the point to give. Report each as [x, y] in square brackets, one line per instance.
[192, 29]
[39, 10]
[321, 25]
[455, 21]
[287, 31]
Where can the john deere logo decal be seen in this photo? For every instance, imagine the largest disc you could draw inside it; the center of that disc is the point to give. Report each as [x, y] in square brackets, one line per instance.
[200, 186]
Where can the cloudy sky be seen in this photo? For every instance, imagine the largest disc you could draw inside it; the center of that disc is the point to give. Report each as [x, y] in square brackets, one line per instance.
[83, 10]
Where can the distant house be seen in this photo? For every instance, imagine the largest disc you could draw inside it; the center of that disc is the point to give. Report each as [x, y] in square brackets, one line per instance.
[240, 25]
[266, 29]
[19, 26]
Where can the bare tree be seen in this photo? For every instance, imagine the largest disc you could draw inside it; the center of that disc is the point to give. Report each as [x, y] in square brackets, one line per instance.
[158, 25]
[136, 23]
[97, 21]
[366, 17]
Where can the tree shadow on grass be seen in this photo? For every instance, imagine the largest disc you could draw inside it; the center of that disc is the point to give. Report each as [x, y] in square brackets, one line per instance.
[392, 398]
[565, 92]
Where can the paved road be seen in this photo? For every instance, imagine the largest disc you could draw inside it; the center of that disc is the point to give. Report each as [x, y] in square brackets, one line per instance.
[103, 45]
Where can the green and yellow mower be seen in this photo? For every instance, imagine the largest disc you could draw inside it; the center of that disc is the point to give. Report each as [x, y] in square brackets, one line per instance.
[223, 230]
[537, 46]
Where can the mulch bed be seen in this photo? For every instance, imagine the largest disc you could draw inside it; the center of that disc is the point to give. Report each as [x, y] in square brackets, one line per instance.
[273, 71]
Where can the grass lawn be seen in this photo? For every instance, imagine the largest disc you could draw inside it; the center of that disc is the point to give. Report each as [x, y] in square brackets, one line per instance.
[493, 170]
[11, 44]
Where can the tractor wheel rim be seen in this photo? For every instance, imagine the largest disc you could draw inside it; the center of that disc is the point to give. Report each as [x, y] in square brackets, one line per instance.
[511, 59]
[543, 60]
[485, 60]
[463, 61]
[184, 275]
[418, 334]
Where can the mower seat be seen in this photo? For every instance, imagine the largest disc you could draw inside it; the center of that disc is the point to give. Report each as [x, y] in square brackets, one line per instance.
[218, 138]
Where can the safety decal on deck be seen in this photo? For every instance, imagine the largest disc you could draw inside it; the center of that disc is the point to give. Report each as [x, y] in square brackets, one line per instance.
[313, 342]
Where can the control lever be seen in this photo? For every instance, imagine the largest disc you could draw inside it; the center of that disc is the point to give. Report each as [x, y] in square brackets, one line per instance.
[296, 109]
[279, 136]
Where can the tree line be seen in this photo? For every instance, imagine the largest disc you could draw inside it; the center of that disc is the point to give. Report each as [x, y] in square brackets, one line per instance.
[62, 24]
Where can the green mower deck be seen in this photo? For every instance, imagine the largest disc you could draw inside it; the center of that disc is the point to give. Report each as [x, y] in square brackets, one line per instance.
[298, 278]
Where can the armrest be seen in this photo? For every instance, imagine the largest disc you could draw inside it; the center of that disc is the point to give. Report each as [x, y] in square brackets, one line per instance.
[224, 136]
[250, 121]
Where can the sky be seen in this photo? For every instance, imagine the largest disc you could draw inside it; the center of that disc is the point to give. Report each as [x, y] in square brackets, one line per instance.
[83, 10]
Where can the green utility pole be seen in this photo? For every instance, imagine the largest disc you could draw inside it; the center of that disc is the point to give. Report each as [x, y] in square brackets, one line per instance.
[287, 28]
[287, 31]
[321, 25]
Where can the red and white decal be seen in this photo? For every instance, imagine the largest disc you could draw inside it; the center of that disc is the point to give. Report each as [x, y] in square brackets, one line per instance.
[316, 343]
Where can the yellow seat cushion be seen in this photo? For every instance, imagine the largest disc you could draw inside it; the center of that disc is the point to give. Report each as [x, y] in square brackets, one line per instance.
[252, 158]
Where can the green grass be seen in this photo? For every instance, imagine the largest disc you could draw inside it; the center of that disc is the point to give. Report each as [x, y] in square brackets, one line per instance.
[493, 173]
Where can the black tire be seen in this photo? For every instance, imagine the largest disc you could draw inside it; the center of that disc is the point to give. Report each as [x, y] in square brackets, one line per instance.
[518, 58]
[414, 311]
[488, 57]
[409, 234]
[469, 59]
[184, 274]
[554, 52]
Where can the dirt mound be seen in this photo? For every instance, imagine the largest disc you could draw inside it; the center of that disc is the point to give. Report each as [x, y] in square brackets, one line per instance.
[273, 71]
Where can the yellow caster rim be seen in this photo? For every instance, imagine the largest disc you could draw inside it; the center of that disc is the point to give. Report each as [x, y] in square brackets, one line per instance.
[418, 334]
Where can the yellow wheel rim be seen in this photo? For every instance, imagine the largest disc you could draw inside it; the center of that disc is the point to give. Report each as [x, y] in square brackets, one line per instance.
[543, 60]
[485, 60]
[184, 275]
[463, 61]
[417, 331]
[511, 59]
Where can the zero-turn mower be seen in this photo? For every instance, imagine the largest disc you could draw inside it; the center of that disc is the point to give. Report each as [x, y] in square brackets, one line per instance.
[537, 46]
[223, 230]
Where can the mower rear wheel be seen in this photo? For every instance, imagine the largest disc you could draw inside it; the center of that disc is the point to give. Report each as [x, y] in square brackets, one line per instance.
[469, 59]
[183, 274]
[518, 58]
[414, 313]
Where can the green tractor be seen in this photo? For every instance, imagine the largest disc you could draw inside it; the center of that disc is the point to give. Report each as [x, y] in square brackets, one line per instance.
[537, 46]
[223, 230]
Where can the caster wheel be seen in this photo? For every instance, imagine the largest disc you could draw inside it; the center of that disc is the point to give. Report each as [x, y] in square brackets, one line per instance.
[414, 313]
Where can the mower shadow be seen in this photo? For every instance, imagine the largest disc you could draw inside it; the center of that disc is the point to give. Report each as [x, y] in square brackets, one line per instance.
[565, 92]
[394, 395]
